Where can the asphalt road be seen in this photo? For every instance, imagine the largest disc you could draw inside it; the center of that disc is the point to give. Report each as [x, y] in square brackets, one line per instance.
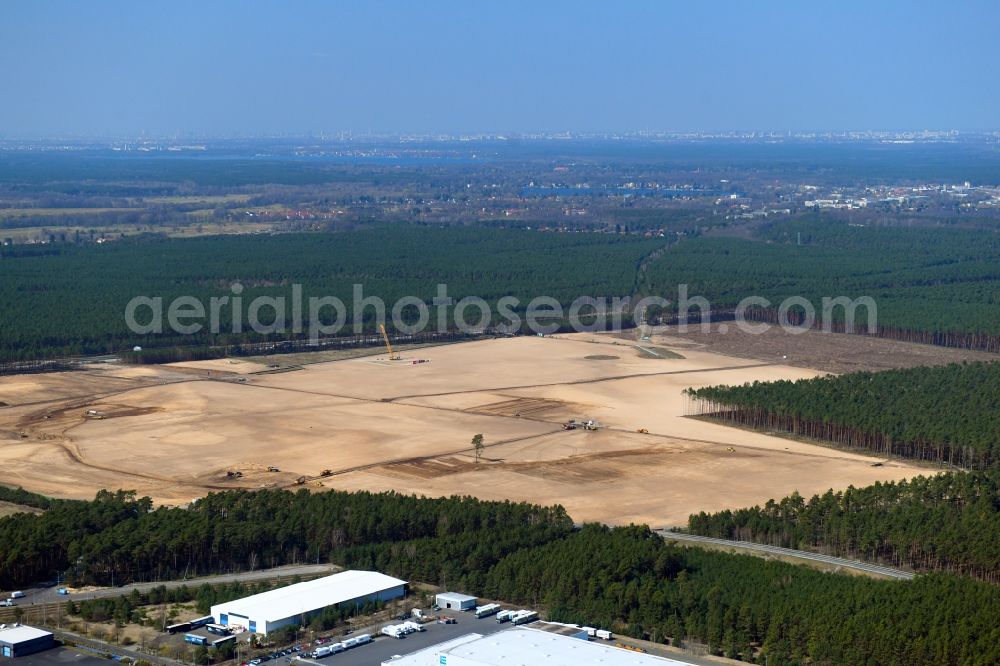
[47, 593]
[855, 565]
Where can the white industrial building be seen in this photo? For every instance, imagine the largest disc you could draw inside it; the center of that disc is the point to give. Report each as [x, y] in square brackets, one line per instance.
[455, 601]
[295, 604]
[18, 640]
[526, 646]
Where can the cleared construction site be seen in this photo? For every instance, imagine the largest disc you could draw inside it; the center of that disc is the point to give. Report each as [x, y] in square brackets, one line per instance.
[598, 423]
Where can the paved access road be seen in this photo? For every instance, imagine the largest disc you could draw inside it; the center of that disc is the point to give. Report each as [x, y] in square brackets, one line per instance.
[48, 594]
[855, 565]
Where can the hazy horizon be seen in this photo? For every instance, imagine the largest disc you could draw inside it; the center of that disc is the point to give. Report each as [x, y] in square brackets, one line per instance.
[392, 68]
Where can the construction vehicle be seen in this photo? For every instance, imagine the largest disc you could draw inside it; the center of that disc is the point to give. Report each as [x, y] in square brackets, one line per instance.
[234, 474]
[393, 356]
[299, 481]
[272, 468]
[730, 449]
[326, 472]
[590, 425]
[569, 426]
[642, 431]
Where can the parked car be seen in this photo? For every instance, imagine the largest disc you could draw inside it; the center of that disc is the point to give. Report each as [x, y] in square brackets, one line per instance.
[447, 620]
[62, 590]
[7, 602]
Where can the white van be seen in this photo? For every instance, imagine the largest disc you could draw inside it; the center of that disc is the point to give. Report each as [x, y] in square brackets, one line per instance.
[17, 595]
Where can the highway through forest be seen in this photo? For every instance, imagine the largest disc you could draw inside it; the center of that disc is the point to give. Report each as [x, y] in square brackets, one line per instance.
[49, 594]
[863, 567]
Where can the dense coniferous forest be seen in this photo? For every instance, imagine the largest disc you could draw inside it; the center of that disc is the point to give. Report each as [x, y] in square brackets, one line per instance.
[930, 285]
[68, 299]
[748, 608]
[948, 522]
[626, 579]
[118, 537]
[948, 414]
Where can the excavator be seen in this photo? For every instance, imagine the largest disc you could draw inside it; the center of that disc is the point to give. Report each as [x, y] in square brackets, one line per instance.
[393, 356]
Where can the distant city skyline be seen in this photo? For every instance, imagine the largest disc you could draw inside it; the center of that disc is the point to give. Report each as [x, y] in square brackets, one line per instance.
[108, 69]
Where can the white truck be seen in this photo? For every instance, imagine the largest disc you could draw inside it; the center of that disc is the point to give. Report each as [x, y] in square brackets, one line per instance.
[605, 634]
[487, 610]
[393, 631]
[412, 627]
[504, 616]
[524, 617]
[327, 650]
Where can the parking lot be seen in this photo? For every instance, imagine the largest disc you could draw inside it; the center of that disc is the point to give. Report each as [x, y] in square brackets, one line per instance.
[384, 647]
[62, 656]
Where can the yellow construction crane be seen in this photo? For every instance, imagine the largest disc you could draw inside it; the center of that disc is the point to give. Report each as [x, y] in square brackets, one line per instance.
[393, 356]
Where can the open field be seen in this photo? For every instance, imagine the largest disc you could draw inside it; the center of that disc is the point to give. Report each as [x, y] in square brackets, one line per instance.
[829, 352]
[174, 432]
[9, 509]
[205, 199]
[195, 228]
[58, 212]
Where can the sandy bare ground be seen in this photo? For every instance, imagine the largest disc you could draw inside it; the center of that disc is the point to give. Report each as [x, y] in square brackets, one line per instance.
[831, 352]
[9, 509]
[175, 432]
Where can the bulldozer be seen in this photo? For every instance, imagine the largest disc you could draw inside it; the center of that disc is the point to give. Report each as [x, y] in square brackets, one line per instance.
[299, 481]
[642, 431]
[326, 472]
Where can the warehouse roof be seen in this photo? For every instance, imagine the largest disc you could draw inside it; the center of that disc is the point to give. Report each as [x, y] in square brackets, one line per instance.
[527, 646]
[455, 596]
[308, 596]
[20, 634]
[429, 655]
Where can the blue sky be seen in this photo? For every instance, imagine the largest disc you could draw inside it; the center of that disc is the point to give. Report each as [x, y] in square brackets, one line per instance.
[265, 67]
